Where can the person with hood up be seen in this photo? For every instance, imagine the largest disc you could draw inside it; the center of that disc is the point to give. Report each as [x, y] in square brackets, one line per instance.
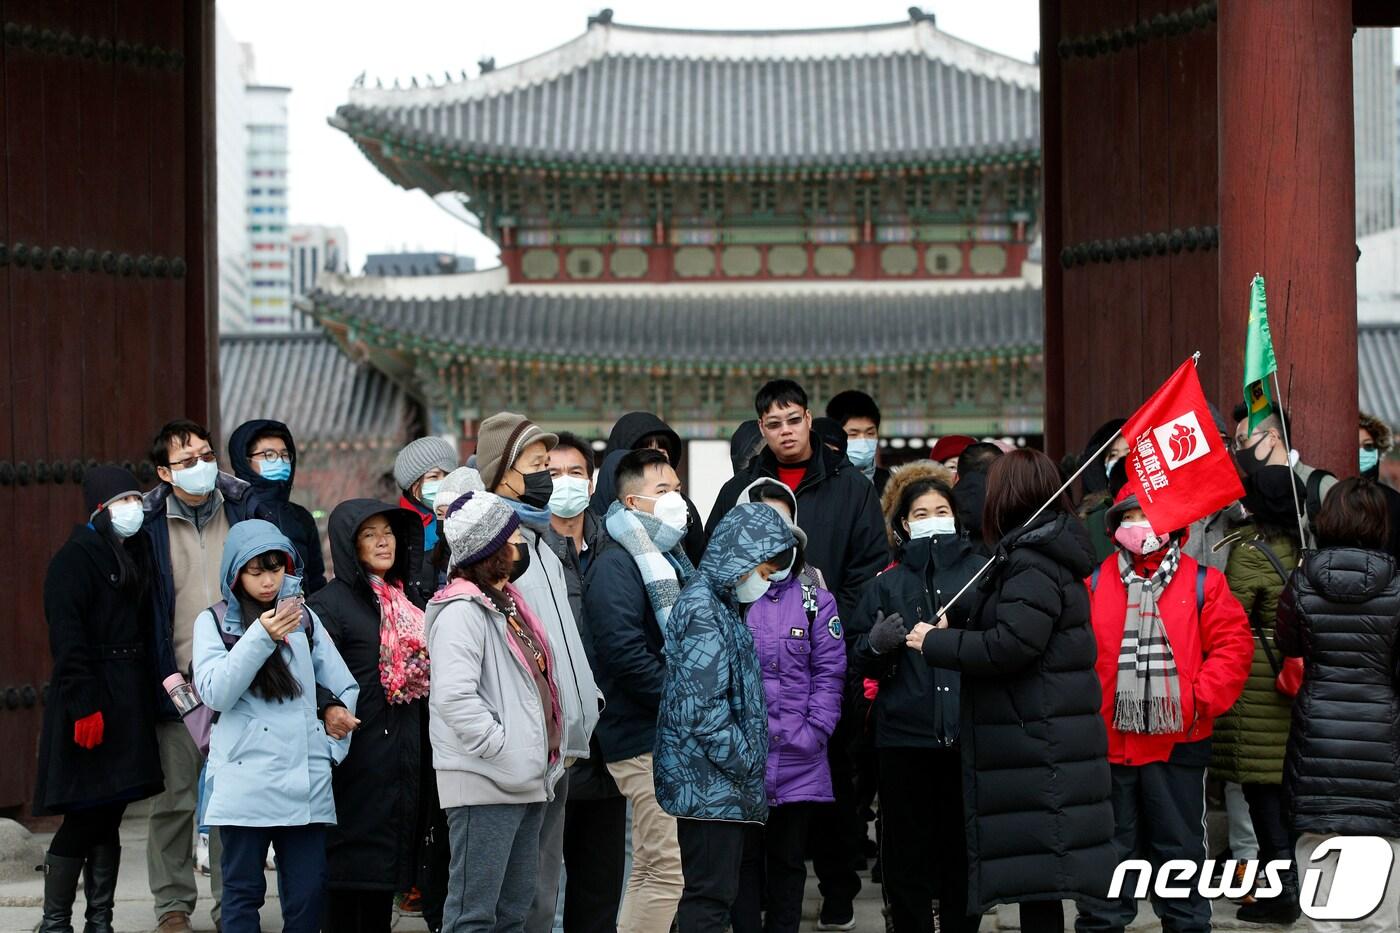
[1095, 494]
[1036, 780]
[260, 659]
[641, 429]
[370, 608]
[859, 418]
[712, 726]
[1341, 614]
[512, 453]
[419, 470]
[970, 487]
[497, 724]
[1174, 649]
[263, 455]
[923, 849]
[745, 444]
[829, 431]
[802, 654]
[97, 750]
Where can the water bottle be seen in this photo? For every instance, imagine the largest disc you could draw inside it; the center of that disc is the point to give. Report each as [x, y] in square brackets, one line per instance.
[182, 694]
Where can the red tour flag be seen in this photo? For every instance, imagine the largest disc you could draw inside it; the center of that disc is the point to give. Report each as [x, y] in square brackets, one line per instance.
[1177, 463]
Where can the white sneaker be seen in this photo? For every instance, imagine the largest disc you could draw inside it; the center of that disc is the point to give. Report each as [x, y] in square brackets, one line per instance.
[271, 861]
[201, 855]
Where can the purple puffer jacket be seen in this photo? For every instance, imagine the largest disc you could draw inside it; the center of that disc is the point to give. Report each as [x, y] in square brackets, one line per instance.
[804, 668]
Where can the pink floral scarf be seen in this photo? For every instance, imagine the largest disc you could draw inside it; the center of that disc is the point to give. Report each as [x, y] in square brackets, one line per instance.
[403, 647]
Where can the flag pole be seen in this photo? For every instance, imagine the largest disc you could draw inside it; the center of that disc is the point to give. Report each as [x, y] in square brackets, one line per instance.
[1293, 482]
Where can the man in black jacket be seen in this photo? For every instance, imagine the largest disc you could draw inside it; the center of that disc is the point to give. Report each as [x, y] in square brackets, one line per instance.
[264, 456]
[839, 510]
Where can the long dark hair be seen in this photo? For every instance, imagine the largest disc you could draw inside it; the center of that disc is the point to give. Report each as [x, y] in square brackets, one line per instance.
[1017, 485]
[910, 493]
[274, 680]
[131, 570]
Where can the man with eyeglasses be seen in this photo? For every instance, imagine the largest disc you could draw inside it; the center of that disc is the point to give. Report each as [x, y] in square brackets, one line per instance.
[187, 520]
[839, 510]
[264, 456]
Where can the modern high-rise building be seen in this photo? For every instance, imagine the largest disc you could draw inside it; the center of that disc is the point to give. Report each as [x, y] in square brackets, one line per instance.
[1373, 94]
[313, 249]
[232, 129]
[269, 264]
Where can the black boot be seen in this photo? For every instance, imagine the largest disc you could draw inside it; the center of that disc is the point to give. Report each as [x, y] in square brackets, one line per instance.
[100, 885]
[60, 888]
[1282, 909]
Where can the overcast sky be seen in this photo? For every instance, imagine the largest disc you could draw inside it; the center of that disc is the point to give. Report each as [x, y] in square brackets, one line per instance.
[317, 47]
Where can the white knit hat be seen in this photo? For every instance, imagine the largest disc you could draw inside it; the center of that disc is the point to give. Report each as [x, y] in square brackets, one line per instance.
[457, 484]
[477, 525]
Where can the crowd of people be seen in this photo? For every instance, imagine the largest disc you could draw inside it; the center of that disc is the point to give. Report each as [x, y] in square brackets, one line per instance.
[535, 656]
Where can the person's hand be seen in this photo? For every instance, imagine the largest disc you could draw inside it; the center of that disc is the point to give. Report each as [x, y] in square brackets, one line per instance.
[340, 722]
[942, 620]
[281, 624]
[915, 638]
[887, 633]
[87, 731]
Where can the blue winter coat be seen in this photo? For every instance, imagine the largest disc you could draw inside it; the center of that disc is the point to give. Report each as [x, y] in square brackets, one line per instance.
[712, 726]
[269, 760]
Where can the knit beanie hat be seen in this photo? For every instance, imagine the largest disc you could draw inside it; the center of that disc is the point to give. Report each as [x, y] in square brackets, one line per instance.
[457, 484]
[477, 525]
[500, 440]
[105, 484]
[422, 455]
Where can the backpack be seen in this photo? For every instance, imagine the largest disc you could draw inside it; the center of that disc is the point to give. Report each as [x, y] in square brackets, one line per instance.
[1312, 503]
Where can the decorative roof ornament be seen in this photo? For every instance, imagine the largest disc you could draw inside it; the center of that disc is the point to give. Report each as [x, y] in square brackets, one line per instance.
[359, 80]
[918, 15]
[603, 17]
[487, 65]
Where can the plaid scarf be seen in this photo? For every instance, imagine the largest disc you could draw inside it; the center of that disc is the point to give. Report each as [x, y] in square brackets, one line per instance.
[656, 547]
[1148, 697]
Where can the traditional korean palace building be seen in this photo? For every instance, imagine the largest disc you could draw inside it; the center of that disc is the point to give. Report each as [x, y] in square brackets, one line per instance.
[682, 215]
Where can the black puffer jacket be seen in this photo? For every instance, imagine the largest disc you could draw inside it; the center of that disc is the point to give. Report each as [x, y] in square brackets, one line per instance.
[1341, 613]
[1034, 750]
[378, 786]
[918, 705]
[291, 519]
[627, 434]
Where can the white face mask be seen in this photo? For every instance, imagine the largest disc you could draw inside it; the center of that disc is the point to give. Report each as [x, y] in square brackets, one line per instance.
[670, 509]
[778, 576]
[751, 588]
[197, 480]
[928, 527]
[570, 496]
[126, 518]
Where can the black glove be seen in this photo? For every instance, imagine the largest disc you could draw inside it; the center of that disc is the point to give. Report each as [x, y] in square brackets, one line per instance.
[887, 633]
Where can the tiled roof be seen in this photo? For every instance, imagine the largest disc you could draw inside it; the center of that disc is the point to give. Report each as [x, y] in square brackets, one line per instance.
[1378, 370]
[637, 327]
[625, 95]
[305, 381]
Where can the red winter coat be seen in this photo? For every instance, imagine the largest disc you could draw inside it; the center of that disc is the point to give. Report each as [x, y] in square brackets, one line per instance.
[1212, 655]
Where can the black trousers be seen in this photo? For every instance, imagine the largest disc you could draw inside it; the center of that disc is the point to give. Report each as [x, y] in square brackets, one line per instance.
[712, 856]
[1042, 917]
[1269, 813]
[351, 911]
[595, 834]
[774, 873]
[923, 839]
[85, 829]
[838, 831]
[1159, 814]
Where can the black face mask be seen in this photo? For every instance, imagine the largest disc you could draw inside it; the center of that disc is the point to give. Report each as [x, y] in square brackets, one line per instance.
[1249, 463]
[1269, 494]
[522, 561]
[538, 488]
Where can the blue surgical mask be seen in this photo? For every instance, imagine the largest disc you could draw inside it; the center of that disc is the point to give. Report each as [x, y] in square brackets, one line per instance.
[751, 588]
[276, 471]
[126, 518]
[570, 496]
[428, 494]
[861, 452]
[197, 480]
[1370, 459]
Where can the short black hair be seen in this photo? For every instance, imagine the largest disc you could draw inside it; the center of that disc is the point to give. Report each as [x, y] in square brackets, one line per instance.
[779, 392]
[1282, 420]
[852, 403]
[281, 434]
[180, 431]
[978, 457]
[572, 440]
[633, 468]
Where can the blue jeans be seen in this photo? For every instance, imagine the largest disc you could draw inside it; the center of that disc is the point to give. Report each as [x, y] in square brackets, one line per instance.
[301, 875]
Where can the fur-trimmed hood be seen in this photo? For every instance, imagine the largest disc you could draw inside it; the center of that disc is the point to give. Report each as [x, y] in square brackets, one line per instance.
[900, 478]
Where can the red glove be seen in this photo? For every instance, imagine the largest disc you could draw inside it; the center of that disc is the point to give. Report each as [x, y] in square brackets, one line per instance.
[87, 731]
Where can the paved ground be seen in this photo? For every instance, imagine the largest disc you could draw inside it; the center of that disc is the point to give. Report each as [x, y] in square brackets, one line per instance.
[20, 901]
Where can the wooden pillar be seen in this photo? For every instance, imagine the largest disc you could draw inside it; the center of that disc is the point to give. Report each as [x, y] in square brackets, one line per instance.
[1287, 208]
[1052, 212]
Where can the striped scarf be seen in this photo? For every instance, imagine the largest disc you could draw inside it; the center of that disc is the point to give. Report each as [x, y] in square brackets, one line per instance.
[1148, 696]
[656, 548]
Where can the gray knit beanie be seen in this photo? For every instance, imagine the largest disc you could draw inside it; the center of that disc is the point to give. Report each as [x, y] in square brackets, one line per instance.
[422, 455]
[477, 525]
[499, 441]
[457, 484]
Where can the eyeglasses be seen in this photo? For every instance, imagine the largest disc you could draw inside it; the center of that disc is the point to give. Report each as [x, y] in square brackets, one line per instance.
[185, 464]
[777, 425]
[272, 456]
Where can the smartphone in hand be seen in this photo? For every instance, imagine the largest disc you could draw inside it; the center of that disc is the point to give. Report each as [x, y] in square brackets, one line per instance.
[289, 604]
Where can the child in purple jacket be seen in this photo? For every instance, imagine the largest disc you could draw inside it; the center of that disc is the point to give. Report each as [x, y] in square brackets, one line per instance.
[797, 634]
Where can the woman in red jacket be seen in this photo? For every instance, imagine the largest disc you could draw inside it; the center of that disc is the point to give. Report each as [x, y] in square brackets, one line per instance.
[1174, 651]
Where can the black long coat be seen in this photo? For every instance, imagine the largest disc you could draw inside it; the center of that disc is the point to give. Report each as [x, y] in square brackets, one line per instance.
[1341, 613]
[378, 792]
[102, 662]
[1034, 749]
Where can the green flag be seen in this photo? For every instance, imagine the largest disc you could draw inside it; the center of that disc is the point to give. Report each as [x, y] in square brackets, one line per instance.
[1259, 363]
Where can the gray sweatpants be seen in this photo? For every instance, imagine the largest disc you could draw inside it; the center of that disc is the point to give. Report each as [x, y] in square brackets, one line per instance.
[495, 864]
[541, 918]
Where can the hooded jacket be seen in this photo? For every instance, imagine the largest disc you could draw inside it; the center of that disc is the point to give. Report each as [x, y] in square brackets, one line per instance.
[626, 436]
[840, 513]
[269, 760]
[1034, 750]
[293, 520]
[712, 727]
[488, 727]
[379, 786]
[1341, 613]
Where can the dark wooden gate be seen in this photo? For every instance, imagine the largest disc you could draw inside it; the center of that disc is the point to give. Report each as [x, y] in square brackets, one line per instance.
[106, 283]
